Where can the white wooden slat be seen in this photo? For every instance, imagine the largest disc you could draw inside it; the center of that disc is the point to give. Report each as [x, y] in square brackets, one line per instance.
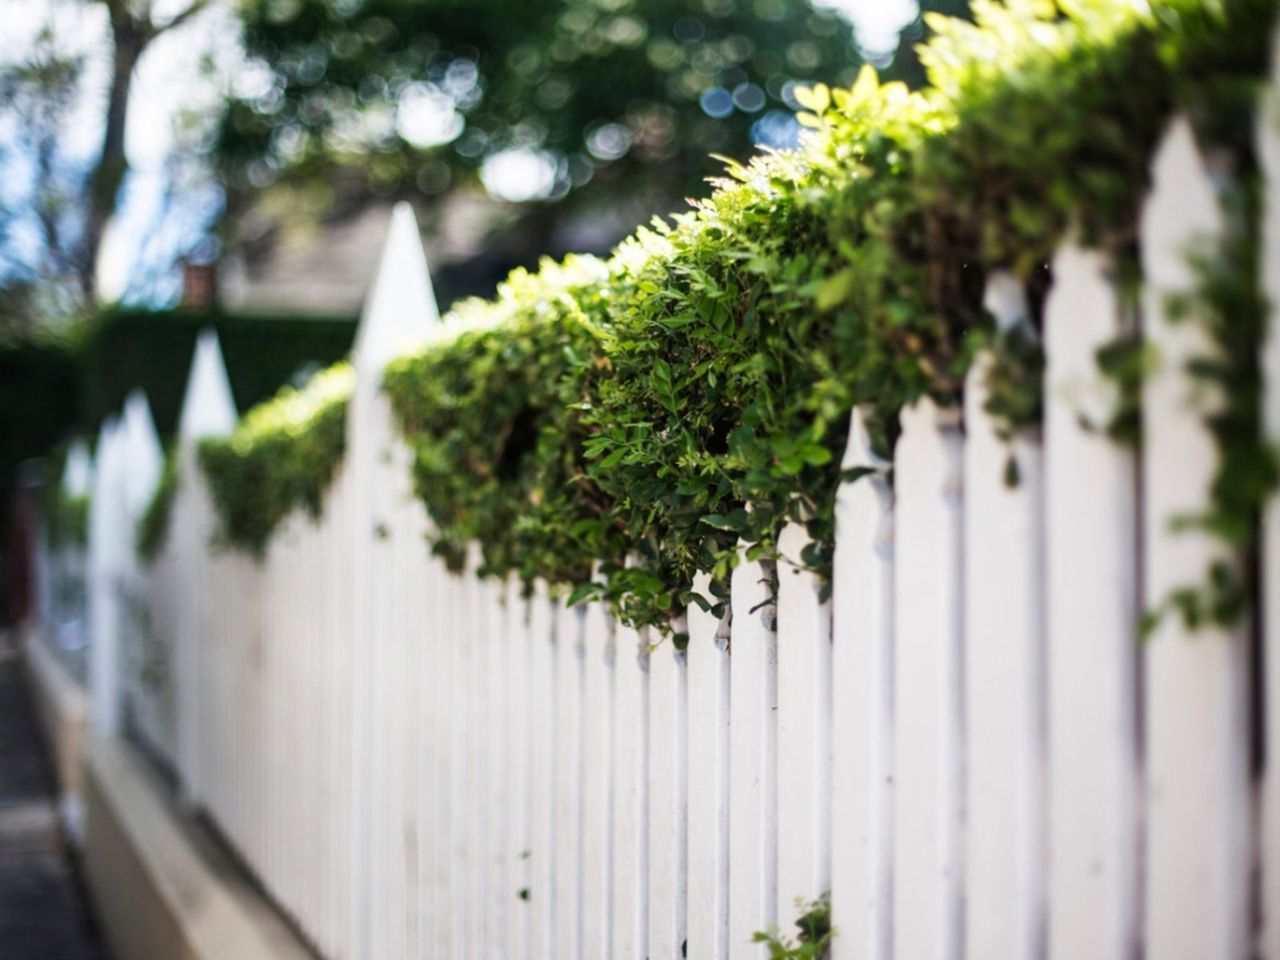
[862, 708]
[519, 753]
[271, 681]
[460, 807]
[1004, 665]
[255, 735]
[332, 616]
[499, 893]
[567, 764]
[282, 701]
[542, 729]
[1196, 705]
[804, 731]
[630, 880]
[753, 837]
[1091, 598]
[476, 722]
[928, 724]
[340, 630]
[1267, 137]
[663, 840]
[708, 740]
[597, 734]
[430, 837]
[447, 829]
[408, 528]
[680, 801]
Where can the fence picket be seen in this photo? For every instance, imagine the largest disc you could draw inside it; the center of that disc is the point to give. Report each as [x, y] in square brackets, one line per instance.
[567, 762]
[1268, 144]
[1197, 732]
[753, 744]
[1004, 663]
[708, 802]
[499, 891]
[804, 731]
[662, 802]
[519, 753]
[541, 889]
[928, 721]
[862, 711]
[630, 879]
[1091, 583]
[593, 860]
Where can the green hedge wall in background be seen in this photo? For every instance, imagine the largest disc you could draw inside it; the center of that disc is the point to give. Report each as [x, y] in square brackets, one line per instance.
[126, 348]
[39, 399]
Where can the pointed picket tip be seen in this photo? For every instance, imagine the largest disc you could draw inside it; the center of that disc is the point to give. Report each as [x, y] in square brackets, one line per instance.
[858, 451]
[400, 310]
[208, 408]
[1183, 203]
[108, 438]
[77, 472]
[142, 448]
[920, 418]
[1006, 300]
[104, 505]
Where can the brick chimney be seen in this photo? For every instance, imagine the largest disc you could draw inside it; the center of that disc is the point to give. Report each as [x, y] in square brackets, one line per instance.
[199, 285]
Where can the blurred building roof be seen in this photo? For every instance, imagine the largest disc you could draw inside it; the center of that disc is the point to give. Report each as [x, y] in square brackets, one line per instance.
[325, 267]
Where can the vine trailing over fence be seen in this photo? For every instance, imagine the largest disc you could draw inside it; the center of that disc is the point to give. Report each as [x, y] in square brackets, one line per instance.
[813, 941]
[650, 412]
[281, 457]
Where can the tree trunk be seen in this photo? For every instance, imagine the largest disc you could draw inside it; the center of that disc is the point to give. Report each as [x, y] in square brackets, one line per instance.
[129, 39]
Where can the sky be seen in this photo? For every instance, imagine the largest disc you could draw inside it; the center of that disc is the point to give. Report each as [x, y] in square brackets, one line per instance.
[170, 80]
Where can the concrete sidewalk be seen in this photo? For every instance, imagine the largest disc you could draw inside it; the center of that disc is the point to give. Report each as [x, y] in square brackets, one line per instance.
[43, 915]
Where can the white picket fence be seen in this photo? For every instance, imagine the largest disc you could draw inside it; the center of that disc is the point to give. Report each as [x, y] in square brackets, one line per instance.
[968, 747]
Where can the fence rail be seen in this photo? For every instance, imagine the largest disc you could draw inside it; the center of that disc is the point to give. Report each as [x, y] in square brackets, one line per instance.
[966, 746]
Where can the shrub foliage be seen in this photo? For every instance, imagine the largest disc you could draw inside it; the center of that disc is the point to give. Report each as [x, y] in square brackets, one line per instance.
[619, 425]
[280, 458]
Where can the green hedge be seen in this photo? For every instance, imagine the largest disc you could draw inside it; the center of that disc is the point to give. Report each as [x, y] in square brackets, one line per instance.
[280, 458]
[650, 411]
[39, 398]
[125, 348]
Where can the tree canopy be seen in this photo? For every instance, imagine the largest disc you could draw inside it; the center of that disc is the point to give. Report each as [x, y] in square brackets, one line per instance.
[614, 97]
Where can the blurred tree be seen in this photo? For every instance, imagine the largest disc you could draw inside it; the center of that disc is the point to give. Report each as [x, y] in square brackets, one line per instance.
[50, 237]
[906, 65]
[134, 27]
[40, 256]
[591, 101]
